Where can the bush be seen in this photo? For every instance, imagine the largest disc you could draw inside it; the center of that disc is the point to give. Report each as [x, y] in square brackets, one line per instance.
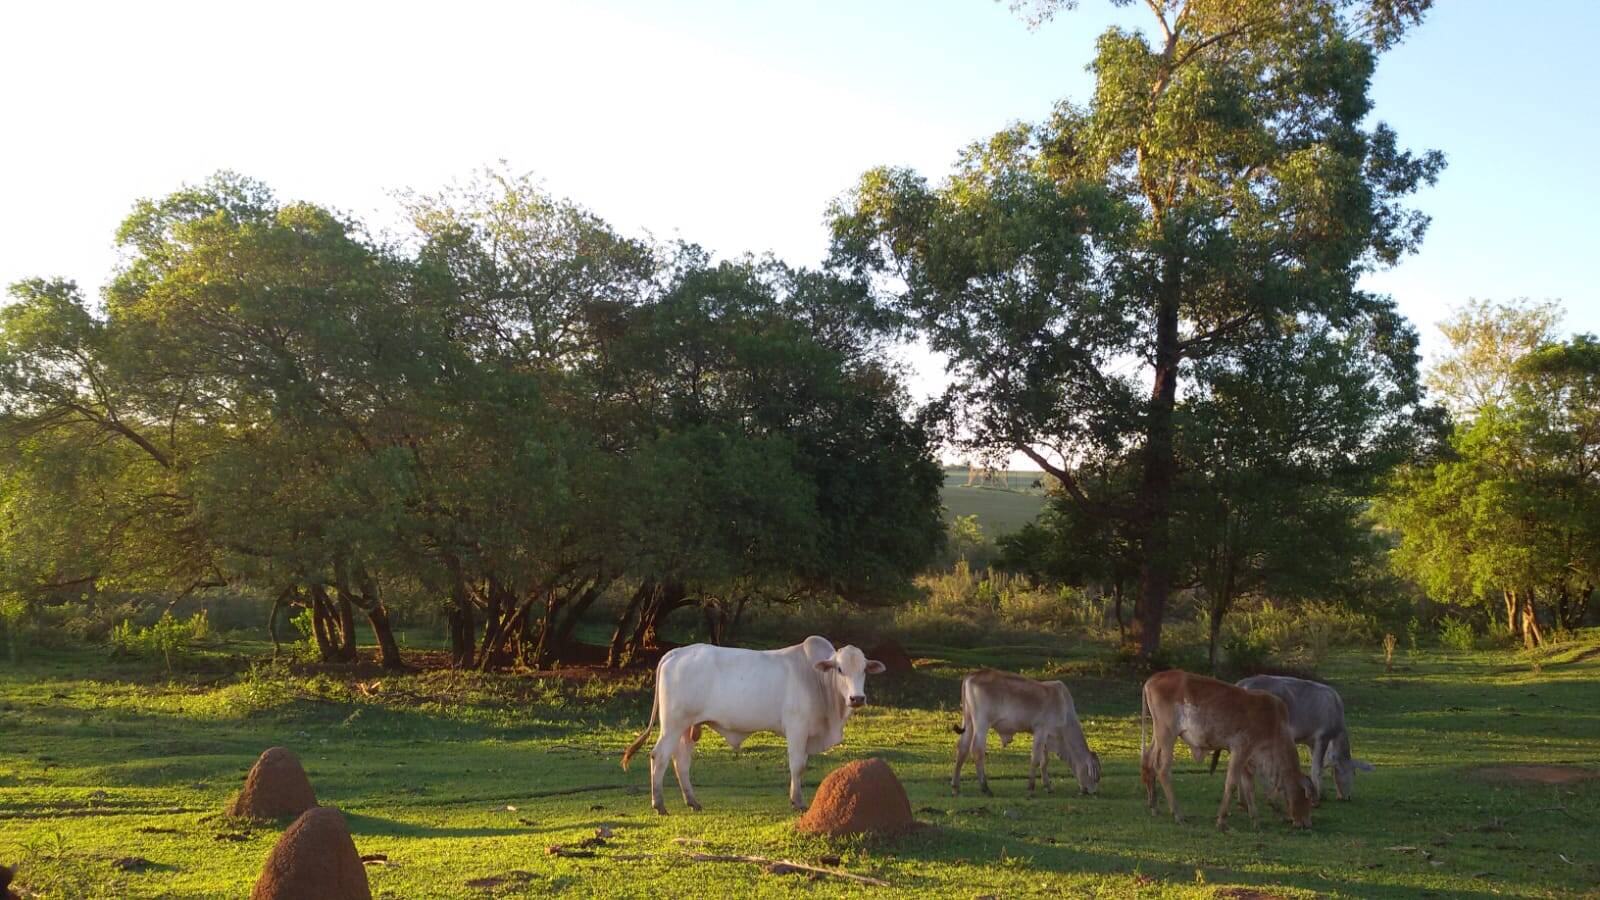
[168, 639]
[1457, 634]
[1246, 653]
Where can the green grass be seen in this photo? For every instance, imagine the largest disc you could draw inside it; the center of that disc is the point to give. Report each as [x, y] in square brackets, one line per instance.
[999, 510]
[101, 760]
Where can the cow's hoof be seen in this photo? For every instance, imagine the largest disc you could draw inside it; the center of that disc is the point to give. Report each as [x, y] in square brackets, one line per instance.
[984, 788]
[1179, 819]
[1222, 825]
[660, 810]
[695, 805]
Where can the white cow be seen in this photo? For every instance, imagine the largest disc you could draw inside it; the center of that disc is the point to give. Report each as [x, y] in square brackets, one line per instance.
[804, 693]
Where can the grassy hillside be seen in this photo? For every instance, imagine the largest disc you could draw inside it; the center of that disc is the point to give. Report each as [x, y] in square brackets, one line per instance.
[462, 777]
[1000, 508]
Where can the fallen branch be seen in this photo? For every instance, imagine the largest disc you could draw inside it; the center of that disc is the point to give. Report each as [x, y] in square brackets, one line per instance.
[764, 861]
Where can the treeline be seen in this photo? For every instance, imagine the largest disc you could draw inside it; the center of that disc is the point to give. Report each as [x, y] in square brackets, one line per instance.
[505, 415]
[1506, 516]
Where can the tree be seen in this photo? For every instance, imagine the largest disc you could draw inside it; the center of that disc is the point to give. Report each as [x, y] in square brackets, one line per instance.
[1219, 190]
[1509, 515]
[1487, 340]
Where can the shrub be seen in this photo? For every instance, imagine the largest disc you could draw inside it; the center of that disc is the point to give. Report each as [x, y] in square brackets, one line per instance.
[1457, 634]
[167, 639]
[13, 619]
[1247, 653]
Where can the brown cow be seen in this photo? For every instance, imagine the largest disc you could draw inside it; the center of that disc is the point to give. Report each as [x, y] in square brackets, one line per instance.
[1253, 726]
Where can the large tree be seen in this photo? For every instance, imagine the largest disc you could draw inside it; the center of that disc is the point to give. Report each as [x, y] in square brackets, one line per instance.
[1508, 515]
[1222, 187]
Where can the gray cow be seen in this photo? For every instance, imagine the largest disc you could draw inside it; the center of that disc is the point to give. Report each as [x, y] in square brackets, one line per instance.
[1316, 719]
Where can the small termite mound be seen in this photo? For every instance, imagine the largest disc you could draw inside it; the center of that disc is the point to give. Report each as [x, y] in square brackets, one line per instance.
[276, 788]
[858, 797]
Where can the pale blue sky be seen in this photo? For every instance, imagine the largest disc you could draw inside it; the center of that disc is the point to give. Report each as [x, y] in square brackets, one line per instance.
[728, 123]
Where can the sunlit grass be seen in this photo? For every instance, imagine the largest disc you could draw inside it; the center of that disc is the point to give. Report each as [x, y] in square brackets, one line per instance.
[101, 760]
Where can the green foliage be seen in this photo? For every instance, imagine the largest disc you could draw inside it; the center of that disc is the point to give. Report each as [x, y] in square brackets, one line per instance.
[1208, 214]
[517, 411]
[1508, 515]
[1457, 634]
[169, 639]
[1246, 653]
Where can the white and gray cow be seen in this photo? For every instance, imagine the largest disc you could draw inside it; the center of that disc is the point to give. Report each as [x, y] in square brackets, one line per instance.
[1316, 719]
[804, 693]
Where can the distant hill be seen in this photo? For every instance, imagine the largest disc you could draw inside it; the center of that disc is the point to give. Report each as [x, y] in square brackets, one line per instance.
[1003, 503]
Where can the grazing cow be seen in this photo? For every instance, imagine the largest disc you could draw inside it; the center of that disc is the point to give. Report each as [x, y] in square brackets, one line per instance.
[1207, 714]
[1316, 719]
[804, 693]
[1010, 703]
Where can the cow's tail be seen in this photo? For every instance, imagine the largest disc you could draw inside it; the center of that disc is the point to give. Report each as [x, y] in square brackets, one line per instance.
[1144, 716]
[627, 755]
[961, 727]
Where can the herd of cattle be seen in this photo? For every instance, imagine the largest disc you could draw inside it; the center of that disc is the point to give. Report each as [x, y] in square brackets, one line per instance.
[806, 693]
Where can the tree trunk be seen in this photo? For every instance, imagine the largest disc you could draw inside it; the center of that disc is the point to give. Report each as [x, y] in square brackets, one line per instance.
[1122, 625]
[458, 615]
[272, 619]
[501, 608]
[1532, 637]
[1213, 632]
[1160, 468]
[347, 629]
[614, 658]
[322, 623]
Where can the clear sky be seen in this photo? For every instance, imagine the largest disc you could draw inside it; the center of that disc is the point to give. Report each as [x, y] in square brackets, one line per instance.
[727, 123]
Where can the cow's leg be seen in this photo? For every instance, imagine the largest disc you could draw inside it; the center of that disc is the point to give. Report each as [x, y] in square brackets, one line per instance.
[963, 746]
[1147, 775]
[1164, 775]
[1033, 761]
[1044, 769]
[1230, 782]
[798, 757]
[1319, 756]
[682, 756]
[671, 734]
[980, 755]
[1247, 796]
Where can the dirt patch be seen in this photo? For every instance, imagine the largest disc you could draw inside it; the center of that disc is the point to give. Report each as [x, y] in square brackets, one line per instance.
[276, 788]
[895, 659]
[6, 874]
[1539, 774]
[315, 858]
[862, 796]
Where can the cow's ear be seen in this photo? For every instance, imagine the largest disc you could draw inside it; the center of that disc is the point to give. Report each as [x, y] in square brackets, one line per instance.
[1363, 765]
[874, 667]
[826, 665]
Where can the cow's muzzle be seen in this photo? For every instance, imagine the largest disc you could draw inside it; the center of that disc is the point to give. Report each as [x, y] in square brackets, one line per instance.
[857, 701]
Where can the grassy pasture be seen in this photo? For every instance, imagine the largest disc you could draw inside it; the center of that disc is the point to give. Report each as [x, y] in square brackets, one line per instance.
[999, 510]
[100, 761]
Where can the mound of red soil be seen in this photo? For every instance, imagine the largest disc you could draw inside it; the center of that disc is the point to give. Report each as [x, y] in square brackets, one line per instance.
[276, 788]
[895, 659]
[314, 858]
[858, 797]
